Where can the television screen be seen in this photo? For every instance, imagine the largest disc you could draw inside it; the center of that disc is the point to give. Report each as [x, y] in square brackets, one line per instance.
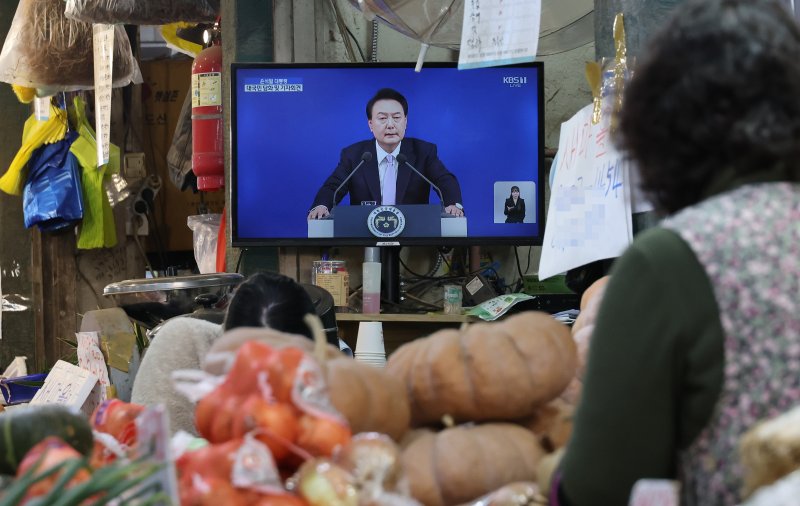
[301, 137]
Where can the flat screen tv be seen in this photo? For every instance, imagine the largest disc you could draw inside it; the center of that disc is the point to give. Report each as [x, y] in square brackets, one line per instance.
[301, 136]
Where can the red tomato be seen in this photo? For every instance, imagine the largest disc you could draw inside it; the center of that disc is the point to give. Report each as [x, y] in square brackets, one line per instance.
[277, 422]
[55, 452]
[210, 461]
[212, 491]
[320, 436]
[251, 359]
[280, 500]
[204, 412]
[117, 418]
[282, 372]
[223, 418]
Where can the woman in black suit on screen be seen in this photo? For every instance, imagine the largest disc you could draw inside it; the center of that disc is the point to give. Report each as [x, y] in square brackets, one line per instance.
[515, 207]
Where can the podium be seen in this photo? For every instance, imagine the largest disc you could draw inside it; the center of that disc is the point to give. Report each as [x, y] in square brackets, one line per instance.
[421, 220]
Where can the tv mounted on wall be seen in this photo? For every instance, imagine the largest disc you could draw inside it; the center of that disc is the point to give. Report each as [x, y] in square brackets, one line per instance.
[301, 135]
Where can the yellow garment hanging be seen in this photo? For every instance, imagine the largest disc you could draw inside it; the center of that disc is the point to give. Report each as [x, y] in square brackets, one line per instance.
[170, 34]
[97, 229]
[34, 135]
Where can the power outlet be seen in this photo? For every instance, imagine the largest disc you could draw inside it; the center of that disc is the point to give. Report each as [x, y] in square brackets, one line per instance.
[133, 166]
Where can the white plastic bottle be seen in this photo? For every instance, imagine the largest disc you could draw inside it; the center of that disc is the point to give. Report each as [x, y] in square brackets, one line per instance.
[371, 281]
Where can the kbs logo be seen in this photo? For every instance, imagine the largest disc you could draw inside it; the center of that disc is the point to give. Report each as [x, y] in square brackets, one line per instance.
[514, 81]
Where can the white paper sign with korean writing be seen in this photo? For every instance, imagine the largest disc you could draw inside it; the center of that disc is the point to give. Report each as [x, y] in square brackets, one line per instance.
[589, 216]
[499, 32]
[103, 45]
[90, 357]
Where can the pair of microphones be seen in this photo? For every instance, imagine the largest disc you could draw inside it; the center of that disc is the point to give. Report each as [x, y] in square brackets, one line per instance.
[401, 160]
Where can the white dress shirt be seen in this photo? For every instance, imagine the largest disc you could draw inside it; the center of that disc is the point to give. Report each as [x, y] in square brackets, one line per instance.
[382, 165]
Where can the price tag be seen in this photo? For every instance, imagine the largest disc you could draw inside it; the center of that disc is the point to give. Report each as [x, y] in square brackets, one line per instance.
[103, 65]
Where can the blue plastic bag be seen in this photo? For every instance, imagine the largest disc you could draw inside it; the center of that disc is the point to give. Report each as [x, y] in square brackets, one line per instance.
[52, 197]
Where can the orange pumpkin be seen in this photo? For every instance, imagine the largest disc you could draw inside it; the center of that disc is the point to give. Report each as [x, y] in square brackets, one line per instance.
[486, 371]
[552, 424]
[370, 399]
[463, 463]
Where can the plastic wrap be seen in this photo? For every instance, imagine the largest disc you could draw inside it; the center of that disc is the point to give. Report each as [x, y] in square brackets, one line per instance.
[52, 196]
[205, 229]
[514, 494]
[565, 24]
[179, 156]
[142, 12]
[46, 50]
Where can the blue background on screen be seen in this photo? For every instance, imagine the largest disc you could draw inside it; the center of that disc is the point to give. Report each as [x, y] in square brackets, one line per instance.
[288, 143]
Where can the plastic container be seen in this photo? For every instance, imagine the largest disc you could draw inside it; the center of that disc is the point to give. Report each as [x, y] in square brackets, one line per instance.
[371, 281]
[332, 275]
[21, 389]
[452, 299]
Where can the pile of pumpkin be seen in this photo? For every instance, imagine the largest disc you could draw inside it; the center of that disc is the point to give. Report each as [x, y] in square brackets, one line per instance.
[463, 413]
[473, 409]
[496, 386]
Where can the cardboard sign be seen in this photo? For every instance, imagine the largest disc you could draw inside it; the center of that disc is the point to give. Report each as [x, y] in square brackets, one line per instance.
[71, 386]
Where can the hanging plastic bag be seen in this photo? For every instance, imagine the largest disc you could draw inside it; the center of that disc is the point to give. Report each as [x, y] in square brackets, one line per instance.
[179, 156]
[97, 229]
[52, 196]
[35, 134]
[205, 228]
[142, 12]
[46, 50]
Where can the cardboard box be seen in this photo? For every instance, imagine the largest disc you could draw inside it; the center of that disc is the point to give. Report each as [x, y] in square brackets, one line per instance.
[166, 83]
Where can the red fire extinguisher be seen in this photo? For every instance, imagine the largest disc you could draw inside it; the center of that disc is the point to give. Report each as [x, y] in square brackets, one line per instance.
[207, 135]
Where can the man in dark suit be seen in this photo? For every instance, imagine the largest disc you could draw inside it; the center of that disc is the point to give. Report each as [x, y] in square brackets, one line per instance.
[382, 180]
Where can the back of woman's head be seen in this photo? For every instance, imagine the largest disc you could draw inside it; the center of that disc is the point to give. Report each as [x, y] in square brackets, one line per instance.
[270, 300]
[717, 91]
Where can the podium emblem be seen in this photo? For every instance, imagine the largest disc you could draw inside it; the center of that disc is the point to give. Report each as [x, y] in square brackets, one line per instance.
[386, 221]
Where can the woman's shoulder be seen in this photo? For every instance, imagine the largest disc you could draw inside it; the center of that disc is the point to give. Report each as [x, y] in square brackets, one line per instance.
[185, 331]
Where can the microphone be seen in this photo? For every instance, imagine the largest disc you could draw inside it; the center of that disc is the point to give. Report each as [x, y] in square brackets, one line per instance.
[403, 159]
[365, 157]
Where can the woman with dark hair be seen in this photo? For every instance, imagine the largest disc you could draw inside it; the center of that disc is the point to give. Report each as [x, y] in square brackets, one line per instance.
[698, 334]
[270, 300]
[263, 300]
[514, 208]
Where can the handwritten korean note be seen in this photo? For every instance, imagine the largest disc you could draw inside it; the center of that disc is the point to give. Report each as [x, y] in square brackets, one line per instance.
[499, 32]
[589, 216]
[103, 65]
[91, 358]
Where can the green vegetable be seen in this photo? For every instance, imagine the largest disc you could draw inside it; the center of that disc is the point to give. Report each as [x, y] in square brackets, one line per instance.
[22, 428]
[105, 485]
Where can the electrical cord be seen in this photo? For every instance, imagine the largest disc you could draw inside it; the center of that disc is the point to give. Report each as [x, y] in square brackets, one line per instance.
[521, 281]
[530, 251]
[141, 249]
[342, 30]
[416, 275]
[358, 46]
[436, 264]
[423, 302]
[239, 260]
